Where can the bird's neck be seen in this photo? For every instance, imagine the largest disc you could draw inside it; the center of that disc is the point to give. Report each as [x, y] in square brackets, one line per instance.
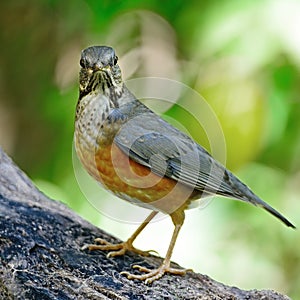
[113, 93]
[94, 110]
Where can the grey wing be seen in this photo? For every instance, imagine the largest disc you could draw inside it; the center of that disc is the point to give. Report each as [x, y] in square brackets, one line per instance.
[168, 152]
[154, 143]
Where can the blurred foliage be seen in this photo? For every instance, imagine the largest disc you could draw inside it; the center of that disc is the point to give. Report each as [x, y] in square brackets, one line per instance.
[243, 57]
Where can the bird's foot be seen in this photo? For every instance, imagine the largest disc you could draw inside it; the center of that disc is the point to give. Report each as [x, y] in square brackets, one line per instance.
[115, 249]
[154, 274]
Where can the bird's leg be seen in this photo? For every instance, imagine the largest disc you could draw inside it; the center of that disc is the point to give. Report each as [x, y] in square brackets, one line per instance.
[154, 274]
[121, 248]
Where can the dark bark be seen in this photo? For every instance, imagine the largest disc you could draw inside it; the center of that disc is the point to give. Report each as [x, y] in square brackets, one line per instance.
[40, 256]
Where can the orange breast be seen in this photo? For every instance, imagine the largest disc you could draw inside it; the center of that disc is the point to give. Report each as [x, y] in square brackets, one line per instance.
[136, 183]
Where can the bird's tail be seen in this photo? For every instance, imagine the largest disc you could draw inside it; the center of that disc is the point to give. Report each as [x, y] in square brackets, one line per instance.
[242, 192]
[272, 211]
[249, 196]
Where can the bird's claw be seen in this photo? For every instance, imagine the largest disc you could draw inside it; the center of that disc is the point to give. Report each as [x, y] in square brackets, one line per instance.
[153, 274]
[115, 249]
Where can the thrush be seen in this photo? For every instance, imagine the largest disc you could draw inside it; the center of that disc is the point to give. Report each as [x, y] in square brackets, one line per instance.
[142, 159]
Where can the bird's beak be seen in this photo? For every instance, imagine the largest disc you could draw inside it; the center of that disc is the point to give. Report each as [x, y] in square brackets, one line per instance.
[98, 67]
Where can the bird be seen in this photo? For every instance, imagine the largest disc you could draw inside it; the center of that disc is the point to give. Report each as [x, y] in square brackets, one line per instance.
[142, 159]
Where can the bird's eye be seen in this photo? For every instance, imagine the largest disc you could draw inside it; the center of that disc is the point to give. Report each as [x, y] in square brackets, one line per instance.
[115, 60]
[81, 62]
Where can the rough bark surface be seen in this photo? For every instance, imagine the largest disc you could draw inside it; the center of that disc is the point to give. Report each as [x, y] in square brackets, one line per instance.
[40, 256]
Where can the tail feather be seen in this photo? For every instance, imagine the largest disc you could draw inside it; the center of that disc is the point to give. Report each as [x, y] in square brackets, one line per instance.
[275, 213]
[244, 193]
[249, 196]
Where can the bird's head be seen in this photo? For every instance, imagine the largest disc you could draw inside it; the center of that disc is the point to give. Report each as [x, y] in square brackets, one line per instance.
[100, 72]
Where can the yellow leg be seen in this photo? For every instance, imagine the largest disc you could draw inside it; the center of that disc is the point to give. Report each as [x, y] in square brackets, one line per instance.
[121, 248]
[151, 275]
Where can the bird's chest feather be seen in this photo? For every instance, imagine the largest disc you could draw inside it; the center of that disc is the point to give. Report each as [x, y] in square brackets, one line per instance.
[136, 183]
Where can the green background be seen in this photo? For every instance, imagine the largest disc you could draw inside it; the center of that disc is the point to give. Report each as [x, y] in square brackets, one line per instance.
[243, 57]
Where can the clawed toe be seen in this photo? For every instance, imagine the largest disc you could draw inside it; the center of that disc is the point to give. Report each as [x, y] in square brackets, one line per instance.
[115, 249]
[153, 274]
[102, 241]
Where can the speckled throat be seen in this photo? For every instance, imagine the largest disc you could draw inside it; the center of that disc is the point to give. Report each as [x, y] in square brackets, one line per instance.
[101, 81]
[92, 131]
[102, 93]
[99, 93]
